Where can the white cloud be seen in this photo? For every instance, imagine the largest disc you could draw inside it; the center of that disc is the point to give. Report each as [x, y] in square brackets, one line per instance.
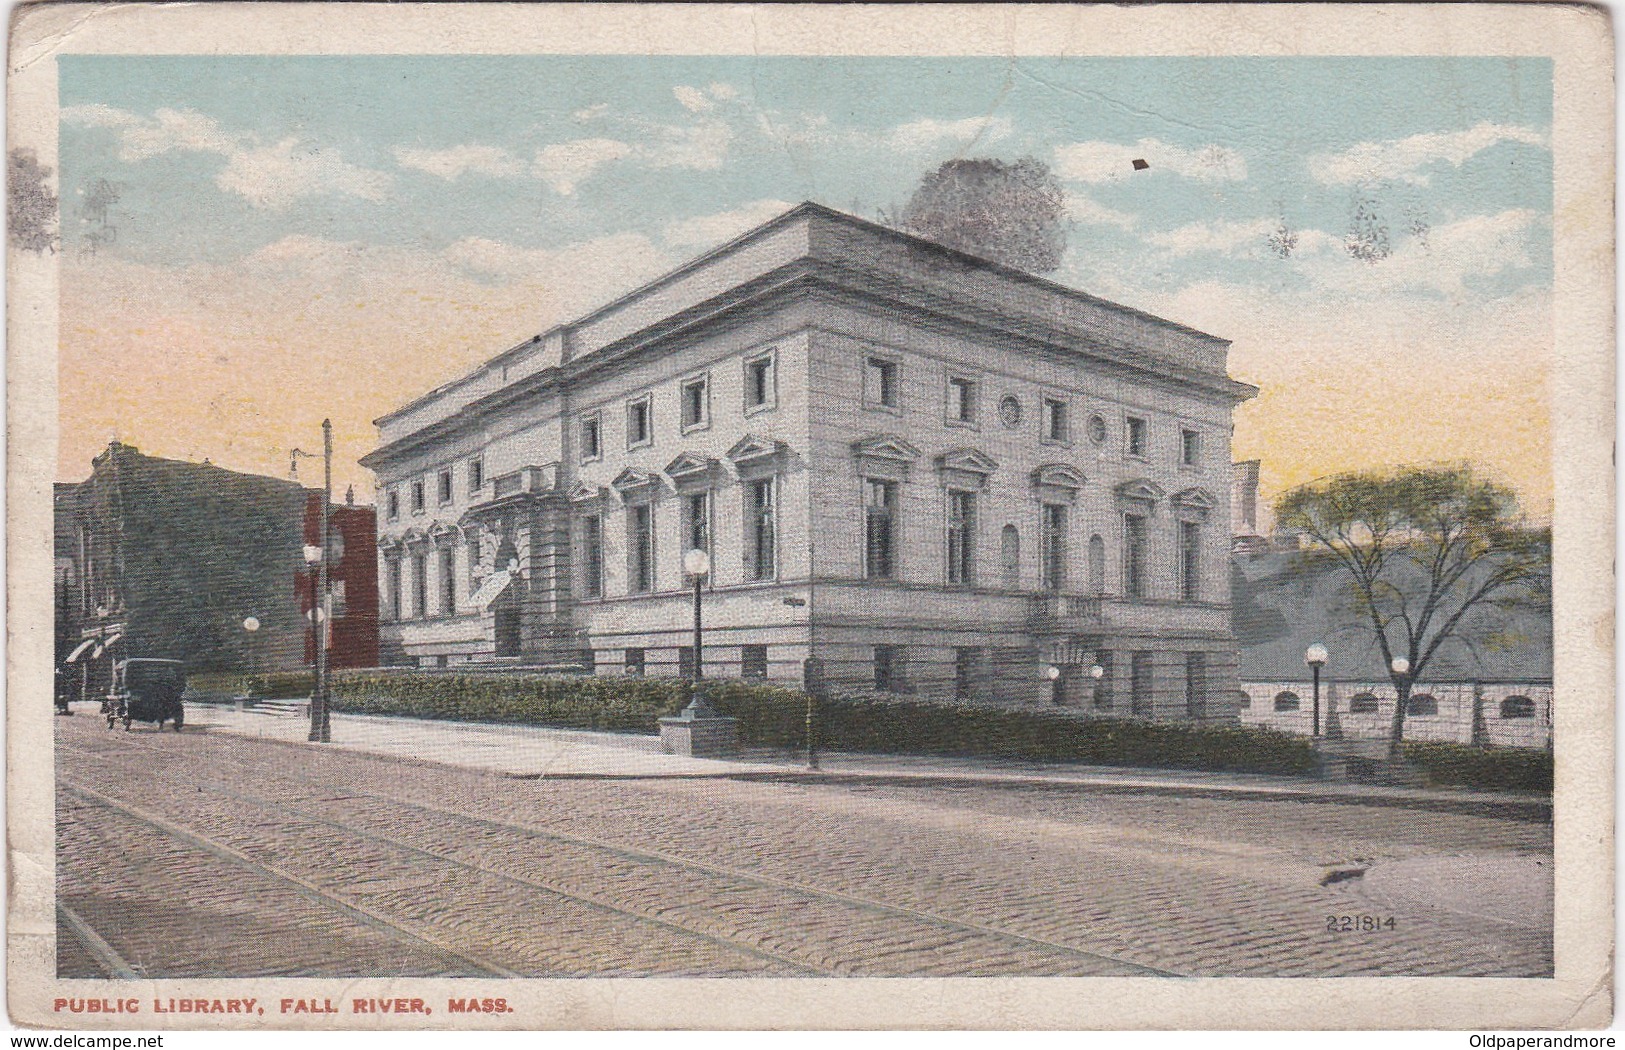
[273, 176]
[1222, 238]
[267, 176]
[1090, 212]
[451, 164]
[929, 133]
[1110, 161]
[565, 165]
[703, 231]
[1403, 159]
[693, 99]
[702, 146]
[722, 91]
[592, 112]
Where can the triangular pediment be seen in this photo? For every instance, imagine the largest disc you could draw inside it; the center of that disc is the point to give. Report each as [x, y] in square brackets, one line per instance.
[414, 535]
[1142, 489]
[886, 446]
[440, 530]
[1059, 475]
[750, 448]
[969, 460]
[1196, 497]
[389, 543]
[689, 465]
[585, 493]
[632, 479]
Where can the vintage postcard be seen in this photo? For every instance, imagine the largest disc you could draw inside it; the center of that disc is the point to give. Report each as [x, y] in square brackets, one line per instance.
[666, 516]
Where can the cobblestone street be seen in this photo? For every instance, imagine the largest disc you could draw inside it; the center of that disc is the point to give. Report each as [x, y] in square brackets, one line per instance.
[204, 854]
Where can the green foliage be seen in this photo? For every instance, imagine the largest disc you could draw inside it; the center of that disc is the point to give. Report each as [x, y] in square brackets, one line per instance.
[1013, 214]
[775, 716]
[276, 685]
[1490, 769]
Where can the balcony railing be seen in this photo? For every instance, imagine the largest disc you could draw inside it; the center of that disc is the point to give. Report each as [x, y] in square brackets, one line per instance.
[1067, 608]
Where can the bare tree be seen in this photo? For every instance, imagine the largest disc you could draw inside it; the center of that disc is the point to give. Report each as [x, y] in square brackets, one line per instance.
[1425, 549]
[1013, 214]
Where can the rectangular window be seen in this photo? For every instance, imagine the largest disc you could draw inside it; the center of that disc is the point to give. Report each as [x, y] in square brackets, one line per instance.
[753, 662]
[592, 556]
[696, 398]
[961, 400]
[761, 548]
[1103, 684]
[444, 488]
[961, 535]
[889, 668]
[1056, 426]
[1136, 436]
[760, 388]
[1190, 448]
[879, 528]
[420, 585]
[880, 382]
[1134, 582]
[476, 475]
[394, 503]
[592, 444]
[473, 554]
[639, 423]
[685, 661]
[696, 522]
[417, 496]
[337, 588]
[1195, 684]
[448, 581]
[1190, 560]
[393, 573]
[634, 663]
[1140, 684]
[640, 548]
[967, 661]
[1053, 554]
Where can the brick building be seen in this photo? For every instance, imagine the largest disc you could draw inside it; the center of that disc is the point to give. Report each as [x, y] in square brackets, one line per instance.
[164, 558]
[938, 474]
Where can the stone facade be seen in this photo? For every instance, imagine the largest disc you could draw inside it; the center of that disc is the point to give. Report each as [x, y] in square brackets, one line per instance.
[939, 475]
[1497, 713]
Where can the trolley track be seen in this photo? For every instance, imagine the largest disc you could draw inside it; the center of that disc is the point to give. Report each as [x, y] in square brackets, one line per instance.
[807, 928]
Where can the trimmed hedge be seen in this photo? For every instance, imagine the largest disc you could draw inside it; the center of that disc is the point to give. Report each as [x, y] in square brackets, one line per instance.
[774, 716]
[1490, 768]
[274, 685]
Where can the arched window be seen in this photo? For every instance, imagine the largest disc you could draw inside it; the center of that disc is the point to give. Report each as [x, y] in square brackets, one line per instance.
[1422, 704]
[1097, 565]
[1286, 700]
[1517, 707]
[1010, 556]
[1363, 704]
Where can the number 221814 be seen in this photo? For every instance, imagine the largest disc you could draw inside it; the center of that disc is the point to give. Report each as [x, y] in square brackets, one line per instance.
[1359, 923]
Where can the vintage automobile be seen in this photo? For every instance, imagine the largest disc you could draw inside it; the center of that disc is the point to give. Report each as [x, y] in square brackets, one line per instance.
[146, 690]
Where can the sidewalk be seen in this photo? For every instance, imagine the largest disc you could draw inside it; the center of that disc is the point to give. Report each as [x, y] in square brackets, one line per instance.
[545, 752]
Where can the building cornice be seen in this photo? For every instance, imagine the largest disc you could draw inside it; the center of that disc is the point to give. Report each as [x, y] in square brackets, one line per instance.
[806, 276]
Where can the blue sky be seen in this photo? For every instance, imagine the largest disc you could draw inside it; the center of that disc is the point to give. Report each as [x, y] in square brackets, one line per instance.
[549, 184]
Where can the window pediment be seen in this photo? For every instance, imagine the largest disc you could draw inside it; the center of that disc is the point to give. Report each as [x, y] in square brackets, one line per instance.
[689, 469]
[440, 531]
[1196, 500]
[1059, 475]
[414, 536]
[885, 456]
[968, 460]
[389, 544]
[633, 482]
[585, 493]
[752, 449]
[1142, 489]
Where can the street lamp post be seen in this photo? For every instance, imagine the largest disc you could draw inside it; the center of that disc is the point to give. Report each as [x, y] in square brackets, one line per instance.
[1315, 657]
[1053, 674]
[697, 564]
[1097, 672]
[251, 624]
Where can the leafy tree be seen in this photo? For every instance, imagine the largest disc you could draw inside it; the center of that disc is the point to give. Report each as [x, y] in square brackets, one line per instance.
[1013, 214]
[1426, 550]
[30, 203]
